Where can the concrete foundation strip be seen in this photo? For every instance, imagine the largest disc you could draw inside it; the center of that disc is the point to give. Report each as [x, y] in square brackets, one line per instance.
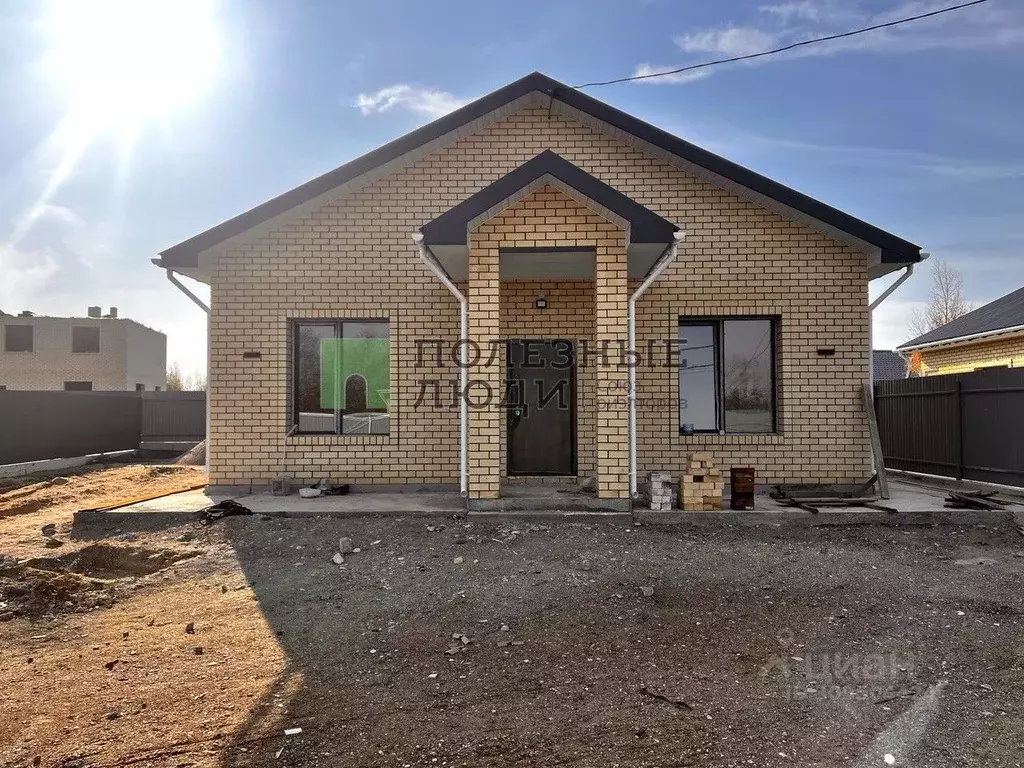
[140, 499]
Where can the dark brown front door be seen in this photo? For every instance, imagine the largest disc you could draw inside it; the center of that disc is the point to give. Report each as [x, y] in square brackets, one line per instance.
[541, 407]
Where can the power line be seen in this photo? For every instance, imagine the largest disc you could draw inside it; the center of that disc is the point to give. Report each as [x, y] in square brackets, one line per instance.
[784, 48]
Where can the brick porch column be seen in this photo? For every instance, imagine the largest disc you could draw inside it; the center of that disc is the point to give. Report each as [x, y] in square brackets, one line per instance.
[612, 376]
[484, 411]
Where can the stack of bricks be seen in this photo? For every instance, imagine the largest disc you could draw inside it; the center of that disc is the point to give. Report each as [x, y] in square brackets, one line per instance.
[701, 484]
[662, 493]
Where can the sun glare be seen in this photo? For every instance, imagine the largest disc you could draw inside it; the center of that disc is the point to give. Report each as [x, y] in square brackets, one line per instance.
[121, 64]
[124, 61]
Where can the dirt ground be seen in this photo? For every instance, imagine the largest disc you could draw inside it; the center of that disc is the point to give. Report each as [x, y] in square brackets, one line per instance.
[28, 503]
[444, 643]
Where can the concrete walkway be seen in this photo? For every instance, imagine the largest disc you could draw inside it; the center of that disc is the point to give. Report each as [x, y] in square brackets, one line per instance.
[914, 504]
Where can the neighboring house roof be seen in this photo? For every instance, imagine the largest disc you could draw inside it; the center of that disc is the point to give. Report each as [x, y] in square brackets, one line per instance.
[888, 364]
[893, 249]
[450, 228]
[1000, 316]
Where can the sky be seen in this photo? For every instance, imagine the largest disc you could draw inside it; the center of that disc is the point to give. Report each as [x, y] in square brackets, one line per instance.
[125, 129]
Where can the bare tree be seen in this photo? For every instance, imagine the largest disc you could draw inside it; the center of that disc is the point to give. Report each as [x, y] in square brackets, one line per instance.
[945, 300]
[193, 382]
[174, 380]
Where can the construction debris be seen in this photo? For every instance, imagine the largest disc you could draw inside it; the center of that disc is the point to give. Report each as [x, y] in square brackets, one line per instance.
[701, 487]
[741, 483]
[975, 500]
[327, 489]
[805, 499]
[663, 495]
[281, 485]
[221, 509]
[459, 644]
[677, 703]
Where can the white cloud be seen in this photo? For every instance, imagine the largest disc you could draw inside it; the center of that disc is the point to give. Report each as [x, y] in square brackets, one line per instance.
[645, 70]
[427, 101]
[731, 41]
[803, 9]
[26, 275]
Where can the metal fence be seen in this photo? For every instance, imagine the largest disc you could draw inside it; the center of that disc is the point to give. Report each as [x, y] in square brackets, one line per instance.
[969, 426]
[57, 425]
[173, 417]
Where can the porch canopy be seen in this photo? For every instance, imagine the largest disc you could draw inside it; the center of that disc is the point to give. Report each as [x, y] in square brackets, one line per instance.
[648, 235]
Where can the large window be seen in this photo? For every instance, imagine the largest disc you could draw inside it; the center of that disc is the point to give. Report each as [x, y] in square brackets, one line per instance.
[17, 338]
[727, 375]
[85, 338]
[342, 377]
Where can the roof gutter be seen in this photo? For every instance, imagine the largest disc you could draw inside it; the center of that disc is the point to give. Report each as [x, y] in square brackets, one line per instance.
[907, 272]
[209, 381]
[981, 335]
[434, 266]
[666, 259]
[181, 286]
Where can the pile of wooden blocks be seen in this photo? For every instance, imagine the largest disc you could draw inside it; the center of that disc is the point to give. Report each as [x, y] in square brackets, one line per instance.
[663, 494]
[701, 484]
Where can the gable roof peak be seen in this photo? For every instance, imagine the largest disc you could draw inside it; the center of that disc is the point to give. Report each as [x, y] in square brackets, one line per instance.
[892, 249]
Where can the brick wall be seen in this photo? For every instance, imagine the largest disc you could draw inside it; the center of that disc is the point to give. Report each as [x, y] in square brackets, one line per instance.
[354, 258]
[967, 357]
[548, 218]
[51, 361]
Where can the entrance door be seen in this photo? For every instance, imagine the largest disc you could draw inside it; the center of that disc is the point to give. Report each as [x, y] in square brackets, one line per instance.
[541, 407]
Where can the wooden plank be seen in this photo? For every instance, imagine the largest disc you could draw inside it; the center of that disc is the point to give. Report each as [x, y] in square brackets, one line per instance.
[867, 396]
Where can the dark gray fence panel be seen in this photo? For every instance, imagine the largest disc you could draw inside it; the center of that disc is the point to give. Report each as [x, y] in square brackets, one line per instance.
[993, 425]
[173, 416]
[968, 426]
[56, 425]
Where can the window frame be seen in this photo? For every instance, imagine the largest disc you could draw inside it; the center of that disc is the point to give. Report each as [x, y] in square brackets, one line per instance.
[31, 338]
[338, 323]
[76, 328]
[717, 323]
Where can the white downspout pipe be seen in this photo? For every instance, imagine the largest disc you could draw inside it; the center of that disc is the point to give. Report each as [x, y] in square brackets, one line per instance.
[659, 267]
[871, 316]
[199, 302]
[428, 259]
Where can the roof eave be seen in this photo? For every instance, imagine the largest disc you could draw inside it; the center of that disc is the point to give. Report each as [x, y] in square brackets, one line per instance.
[970, 338]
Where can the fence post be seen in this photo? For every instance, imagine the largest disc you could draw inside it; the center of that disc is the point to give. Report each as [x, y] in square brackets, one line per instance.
[959, 390]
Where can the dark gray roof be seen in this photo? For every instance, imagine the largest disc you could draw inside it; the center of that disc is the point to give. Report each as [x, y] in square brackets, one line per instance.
[450, 227]
[894, 250]
[888, 365]
[1007, 312]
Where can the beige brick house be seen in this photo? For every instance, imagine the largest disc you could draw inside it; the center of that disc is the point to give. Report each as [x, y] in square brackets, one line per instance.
[95, 352]
[992, 336]
[591, 261]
